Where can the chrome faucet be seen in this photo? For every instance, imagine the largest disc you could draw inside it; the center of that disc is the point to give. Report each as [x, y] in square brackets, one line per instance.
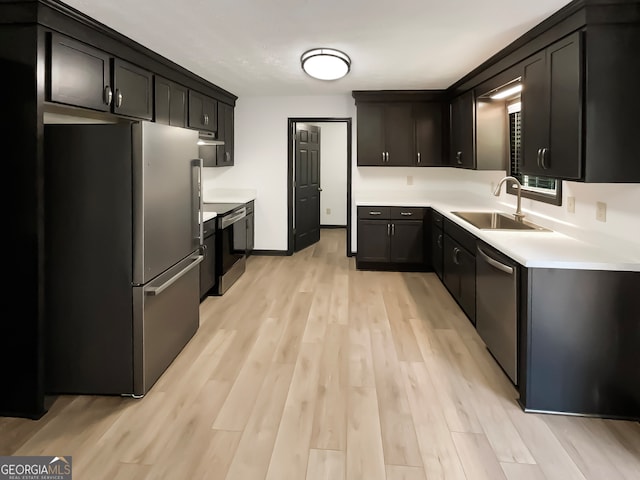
[519, 215]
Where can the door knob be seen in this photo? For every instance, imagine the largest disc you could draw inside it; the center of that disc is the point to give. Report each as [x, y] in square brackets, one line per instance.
[319, 189]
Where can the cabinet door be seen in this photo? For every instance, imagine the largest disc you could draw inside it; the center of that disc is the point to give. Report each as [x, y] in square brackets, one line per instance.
[226, 133]
[178, 106]
[203, 112]
[208, 265]
[133, 90]
[79, 75]
[407, 241]
[427, 119]
[563, 157]
[535, 114]
[398, 135]
[162, 100]
[451, 268]
[370, 134]
[467, 294]
[437, 245]
[373, 240]
[462, 131]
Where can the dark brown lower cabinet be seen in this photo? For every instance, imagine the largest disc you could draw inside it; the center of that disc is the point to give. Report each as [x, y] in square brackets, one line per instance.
[391, 238]
[459, 275]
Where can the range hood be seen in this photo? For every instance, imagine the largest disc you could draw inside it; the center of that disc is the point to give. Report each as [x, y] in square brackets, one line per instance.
[208, 138]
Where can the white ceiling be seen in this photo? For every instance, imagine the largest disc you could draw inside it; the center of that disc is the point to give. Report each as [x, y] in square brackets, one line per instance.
[253, 47]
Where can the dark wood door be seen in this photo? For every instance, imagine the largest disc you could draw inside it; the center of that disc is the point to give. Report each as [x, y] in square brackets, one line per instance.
[563, 157]
[398, 134]
[79, 75]
[535, 114]
[208, 265]
[307, 186]
[203, 112]
[407, 241]
[226, 133]
[133, 90]
[462, 131]
[467, 294]
[427, 120]
[370, 134]
[437, 245]
[374, 240]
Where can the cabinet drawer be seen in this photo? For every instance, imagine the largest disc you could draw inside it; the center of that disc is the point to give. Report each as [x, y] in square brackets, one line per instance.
[437, 218]
[459, 234]
[407, 213]
[382, 213]
[209, 227]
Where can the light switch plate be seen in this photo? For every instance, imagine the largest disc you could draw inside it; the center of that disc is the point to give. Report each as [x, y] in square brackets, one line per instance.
[601, 211]
[571, 204]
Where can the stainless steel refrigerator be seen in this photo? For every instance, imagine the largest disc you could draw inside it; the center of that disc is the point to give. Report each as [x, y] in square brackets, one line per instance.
[122, 239]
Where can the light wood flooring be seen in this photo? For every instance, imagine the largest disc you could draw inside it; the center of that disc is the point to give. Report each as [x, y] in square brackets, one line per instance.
[310, 369]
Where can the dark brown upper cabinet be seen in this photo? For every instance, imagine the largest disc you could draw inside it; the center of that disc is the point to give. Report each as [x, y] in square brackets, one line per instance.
[385, 134]
[170, 101]
[83, 76]
[462, 131]
[79, 75]
[226, 133]
[427, 122]
[552, 110]
[133, 95]
[203, 112]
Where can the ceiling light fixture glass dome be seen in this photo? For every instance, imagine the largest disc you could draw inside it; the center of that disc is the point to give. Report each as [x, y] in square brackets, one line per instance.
[325, 63]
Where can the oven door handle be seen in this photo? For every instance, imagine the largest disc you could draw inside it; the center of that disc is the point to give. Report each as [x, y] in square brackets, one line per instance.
[161, 288]
[233, 218]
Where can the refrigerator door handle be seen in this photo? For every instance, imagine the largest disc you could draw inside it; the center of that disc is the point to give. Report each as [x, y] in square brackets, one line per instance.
[161, 288]
[201, 169]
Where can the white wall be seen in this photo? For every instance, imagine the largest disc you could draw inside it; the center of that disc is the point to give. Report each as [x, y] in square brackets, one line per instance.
[333, 173]
[261, 156]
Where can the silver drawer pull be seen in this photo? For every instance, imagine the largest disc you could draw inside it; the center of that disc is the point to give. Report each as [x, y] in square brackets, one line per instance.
[375, 213]
[406, 214]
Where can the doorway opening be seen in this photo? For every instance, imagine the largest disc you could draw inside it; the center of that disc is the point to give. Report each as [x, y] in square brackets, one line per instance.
[298, 191]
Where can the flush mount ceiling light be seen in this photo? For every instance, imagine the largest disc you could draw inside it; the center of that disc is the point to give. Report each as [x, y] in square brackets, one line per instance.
[325, 63]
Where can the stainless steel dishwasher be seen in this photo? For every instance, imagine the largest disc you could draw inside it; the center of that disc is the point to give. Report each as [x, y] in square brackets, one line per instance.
[497, 306]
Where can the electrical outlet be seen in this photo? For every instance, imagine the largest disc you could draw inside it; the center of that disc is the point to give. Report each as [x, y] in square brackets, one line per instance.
[571, 204]
[601, 211]
[328, 211]
[409, 180]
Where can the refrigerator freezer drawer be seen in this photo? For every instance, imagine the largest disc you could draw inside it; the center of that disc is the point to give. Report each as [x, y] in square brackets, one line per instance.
[166, 316]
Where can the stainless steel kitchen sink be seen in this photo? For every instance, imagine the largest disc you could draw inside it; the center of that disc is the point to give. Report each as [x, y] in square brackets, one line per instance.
[498, 221]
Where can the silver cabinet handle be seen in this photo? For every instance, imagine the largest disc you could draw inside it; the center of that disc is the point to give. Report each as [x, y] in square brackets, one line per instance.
[439, 241]
[543, 157]
[228, 156]
[107, 95]
[158, 290]
[406, 214]
[393, 229]
[383, 157]
[118, 98]
[459, 158]
[205, 119]
[387, 157]
[456, 250]
[494, 263]
[388, 230]
[418, 157]
[538, 158]
[375, 213]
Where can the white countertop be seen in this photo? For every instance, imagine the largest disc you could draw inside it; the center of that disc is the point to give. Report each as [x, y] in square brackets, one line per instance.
[208, 216]
[229, 195]
[533, 249]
